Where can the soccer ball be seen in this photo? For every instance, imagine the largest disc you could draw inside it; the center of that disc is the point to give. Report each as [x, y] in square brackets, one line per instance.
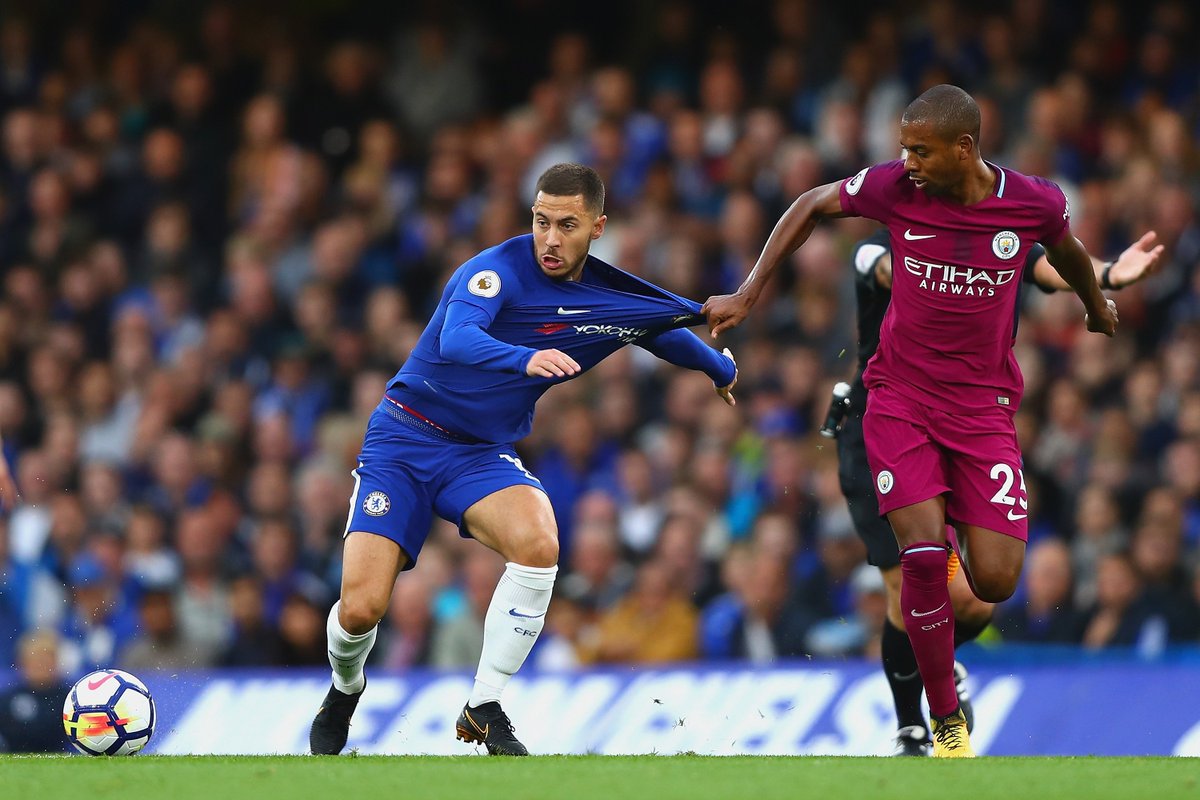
[108, 713]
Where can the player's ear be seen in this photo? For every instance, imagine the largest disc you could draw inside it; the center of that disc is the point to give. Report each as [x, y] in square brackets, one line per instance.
[598, 226]
[966, 146]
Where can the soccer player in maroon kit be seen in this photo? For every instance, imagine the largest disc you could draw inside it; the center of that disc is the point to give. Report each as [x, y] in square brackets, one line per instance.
[944, 384]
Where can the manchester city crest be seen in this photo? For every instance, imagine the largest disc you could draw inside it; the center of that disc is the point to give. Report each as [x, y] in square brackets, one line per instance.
[1005, 245]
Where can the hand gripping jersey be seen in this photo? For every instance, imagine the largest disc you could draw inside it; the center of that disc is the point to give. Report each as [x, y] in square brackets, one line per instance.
[467, 372]
[947, 336]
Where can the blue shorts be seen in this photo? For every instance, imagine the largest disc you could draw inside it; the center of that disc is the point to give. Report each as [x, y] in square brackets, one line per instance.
[408, 470]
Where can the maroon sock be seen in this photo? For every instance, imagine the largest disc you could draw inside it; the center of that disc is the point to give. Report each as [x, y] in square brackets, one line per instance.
[929, 619]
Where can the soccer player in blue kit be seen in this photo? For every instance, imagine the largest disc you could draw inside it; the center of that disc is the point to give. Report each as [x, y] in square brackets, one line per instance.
[512, 322]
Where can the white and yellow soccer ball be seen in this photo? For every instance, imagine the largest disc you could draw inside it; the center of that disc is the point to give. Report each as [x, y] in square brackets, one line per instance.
[109, 713]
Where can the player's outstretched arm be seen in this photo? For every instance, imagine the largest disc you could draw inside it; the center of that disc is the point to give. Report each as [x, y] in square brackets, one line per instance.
[792, 230]
[726, 392]
[1075, 266]
[683, 348]
[1138, 261]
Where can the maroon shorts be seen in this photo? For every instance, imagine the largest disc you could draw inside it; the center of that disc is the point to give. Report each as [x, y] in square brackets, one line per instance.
[917, 453]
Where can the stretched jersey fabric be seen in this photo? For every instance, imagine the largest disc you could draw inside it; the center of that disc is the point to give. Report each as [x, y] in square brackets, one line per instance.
[947, 339]
[873, 301]
[467, 372]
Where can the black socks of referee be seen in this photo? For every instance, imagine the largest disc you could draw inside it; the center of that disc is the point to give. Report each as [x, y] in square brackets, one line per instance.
[968, 631]
[900, 667]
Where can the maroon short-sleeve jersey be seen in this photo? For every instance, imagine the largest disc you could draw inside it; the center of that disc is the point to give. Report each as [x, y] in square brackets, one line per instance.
[956, 282]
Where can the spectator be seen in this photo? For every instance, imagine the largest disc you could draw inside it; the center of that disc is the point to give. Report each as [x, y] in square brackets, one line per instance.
[161, 645]
[598, 575]
[654, 624]
[567, 640]
[765, 623]
[1120, 616]
[203, 598]
[104, 496]
[1045, 614]
[826, 586]
[321, 489]
[98, 622]
[160, 179]
[253, 643]
[302, 624]
[432, 80]
[17, 591]
[1157, 555]
[578, 461]
[176, 485]
[148, 560]
[641, 511]
[31, 711]
[345, 100]
[458, 640]
[409, 635]
[1098, 532]
[678, 549]
[854, 635]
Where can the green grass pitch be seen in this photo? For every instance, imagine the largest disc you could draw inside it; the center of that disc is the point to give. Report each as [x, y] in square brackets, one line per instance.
[592, 778]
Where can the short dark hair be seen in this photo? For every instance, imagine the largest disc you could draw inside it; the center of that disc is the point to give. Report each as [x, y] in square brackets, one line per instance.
[952, 111]
[567, 180]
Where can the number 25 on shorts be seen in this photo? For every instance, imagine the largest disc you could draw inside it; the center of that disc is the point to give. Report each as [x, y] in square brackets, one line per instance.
[1004, 474]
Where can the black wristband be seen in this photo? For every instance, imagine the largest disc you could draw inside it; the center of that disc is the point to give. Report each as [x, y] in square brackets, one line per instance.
[1105, 280]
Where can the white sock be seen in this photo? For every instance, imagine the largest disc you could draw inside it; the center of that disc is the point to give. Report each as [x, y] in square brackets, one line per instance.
[514, 620]
[347, 653]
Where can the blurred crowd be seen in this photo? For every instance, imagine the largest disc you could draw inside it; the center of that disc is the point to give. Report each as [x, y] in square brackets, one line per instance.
[221, 235]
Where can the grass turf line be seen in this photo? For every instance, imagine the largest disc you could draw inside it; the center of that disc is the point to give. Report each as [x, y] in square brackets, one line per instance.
[592, 778]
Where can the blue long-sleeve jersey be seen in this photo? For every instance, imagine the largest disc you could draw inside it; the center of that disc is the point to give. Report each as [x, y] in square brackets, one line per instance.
[467, 372]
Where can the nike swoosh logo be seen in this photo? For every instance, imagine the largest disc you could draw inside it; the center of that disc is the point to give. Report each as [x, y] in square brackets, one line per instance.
[570, 312]
[515, 613]
[1014, 517]
[339, 659]
[93, 685]
[482, 731]
[912, 237]
[916, 613]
